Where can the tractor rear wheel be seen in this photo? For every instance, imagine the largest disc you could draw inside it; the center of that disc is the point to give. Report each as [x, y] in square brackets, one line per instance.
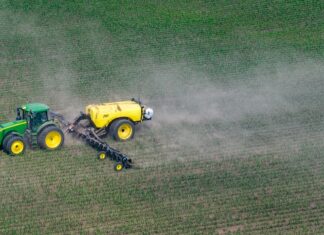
[122, 130]
[16, 145]
[50, 138]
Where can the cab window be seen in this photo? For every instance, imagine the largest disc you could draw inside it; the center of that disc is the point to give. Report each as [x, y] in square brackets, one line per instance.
[39, 119]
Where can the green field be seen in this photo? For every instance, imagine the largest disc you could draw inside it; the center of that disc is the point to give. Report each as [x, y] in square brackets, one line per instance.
[236, 144]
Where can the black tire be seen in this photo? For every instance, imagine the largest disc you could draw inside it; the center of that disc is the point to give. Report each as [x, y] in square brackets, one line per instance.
[5, 142]
[112, 128]
[118, 166]
[53, 142]
[119, 133]
[102, 155]
[16, 145]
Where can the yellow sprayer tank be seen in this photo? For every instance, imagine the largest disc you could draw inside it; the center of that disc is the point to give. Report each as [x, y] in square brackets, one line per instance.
[103, 114]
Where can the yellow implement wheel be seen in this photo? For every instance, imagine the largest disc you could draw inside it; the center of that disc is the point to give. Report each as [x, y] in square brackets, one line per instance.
[50, 138]
[102, 155]
[118, 166]
[123, 129]
[15, 145]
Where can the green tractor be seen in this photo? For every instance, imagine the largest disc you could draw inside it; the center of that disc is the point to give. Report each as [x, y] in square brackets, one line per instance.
[32, 127]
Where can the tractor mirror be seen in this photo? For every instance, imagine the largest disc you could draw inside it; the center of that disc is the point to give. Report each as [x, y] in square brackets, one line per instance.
[18, 114]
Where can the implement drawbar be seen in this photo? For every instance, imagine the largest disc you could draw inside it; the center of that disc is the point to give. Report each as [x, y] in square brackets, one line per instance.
[88, 136]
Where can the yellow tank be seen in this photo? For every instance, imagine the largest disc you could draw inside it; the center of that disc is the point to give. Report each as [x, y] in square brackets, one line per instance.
[103, 114]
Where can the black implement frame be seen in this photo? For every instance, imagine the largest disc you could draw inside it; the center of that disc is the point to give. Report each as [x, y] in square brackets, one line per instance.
[88, 136]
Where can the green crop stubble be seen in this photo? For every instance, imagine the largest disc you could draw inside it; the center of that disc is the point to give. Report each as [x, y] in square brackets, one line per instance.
[106, 50]
[209, 193]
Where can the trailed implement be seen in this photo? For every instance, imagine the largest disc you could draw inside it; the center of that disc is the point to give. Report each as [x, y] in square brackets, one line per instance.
[88, 136]
[118, 119]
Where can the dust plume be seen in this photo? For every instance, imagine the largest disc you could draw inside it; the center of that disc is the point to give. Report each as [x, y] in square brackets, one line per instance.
[264, 111]
[54, 82]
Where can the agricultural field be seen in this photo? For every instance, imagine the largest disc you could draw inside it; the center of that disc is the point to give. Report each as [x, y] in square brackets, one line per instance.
[236, 143]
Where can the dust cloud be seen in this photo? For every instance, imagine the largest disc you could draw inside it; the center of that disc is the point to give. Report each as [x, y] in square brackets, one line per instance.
[264, 111]
[260, 93]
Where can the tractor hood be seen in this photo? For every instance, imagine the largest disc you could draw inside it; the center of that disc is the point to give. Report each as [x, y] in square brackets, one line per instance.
[5, 126]
[18, 127]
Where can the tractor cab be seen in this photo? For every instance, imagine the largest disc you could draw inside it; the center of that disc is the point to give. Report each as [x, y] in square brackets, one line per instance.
[35, 114]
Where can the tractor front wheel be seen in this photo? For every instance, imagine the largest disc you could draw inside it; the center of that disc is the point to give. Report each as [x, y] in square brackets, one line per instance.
[123, 130]
[50, 138]
[16, 145]
[5, 142]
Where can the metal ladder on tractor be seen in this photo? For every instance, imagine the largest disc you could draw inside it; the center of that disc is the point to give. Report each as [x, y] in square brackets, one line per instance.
[31, 139]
